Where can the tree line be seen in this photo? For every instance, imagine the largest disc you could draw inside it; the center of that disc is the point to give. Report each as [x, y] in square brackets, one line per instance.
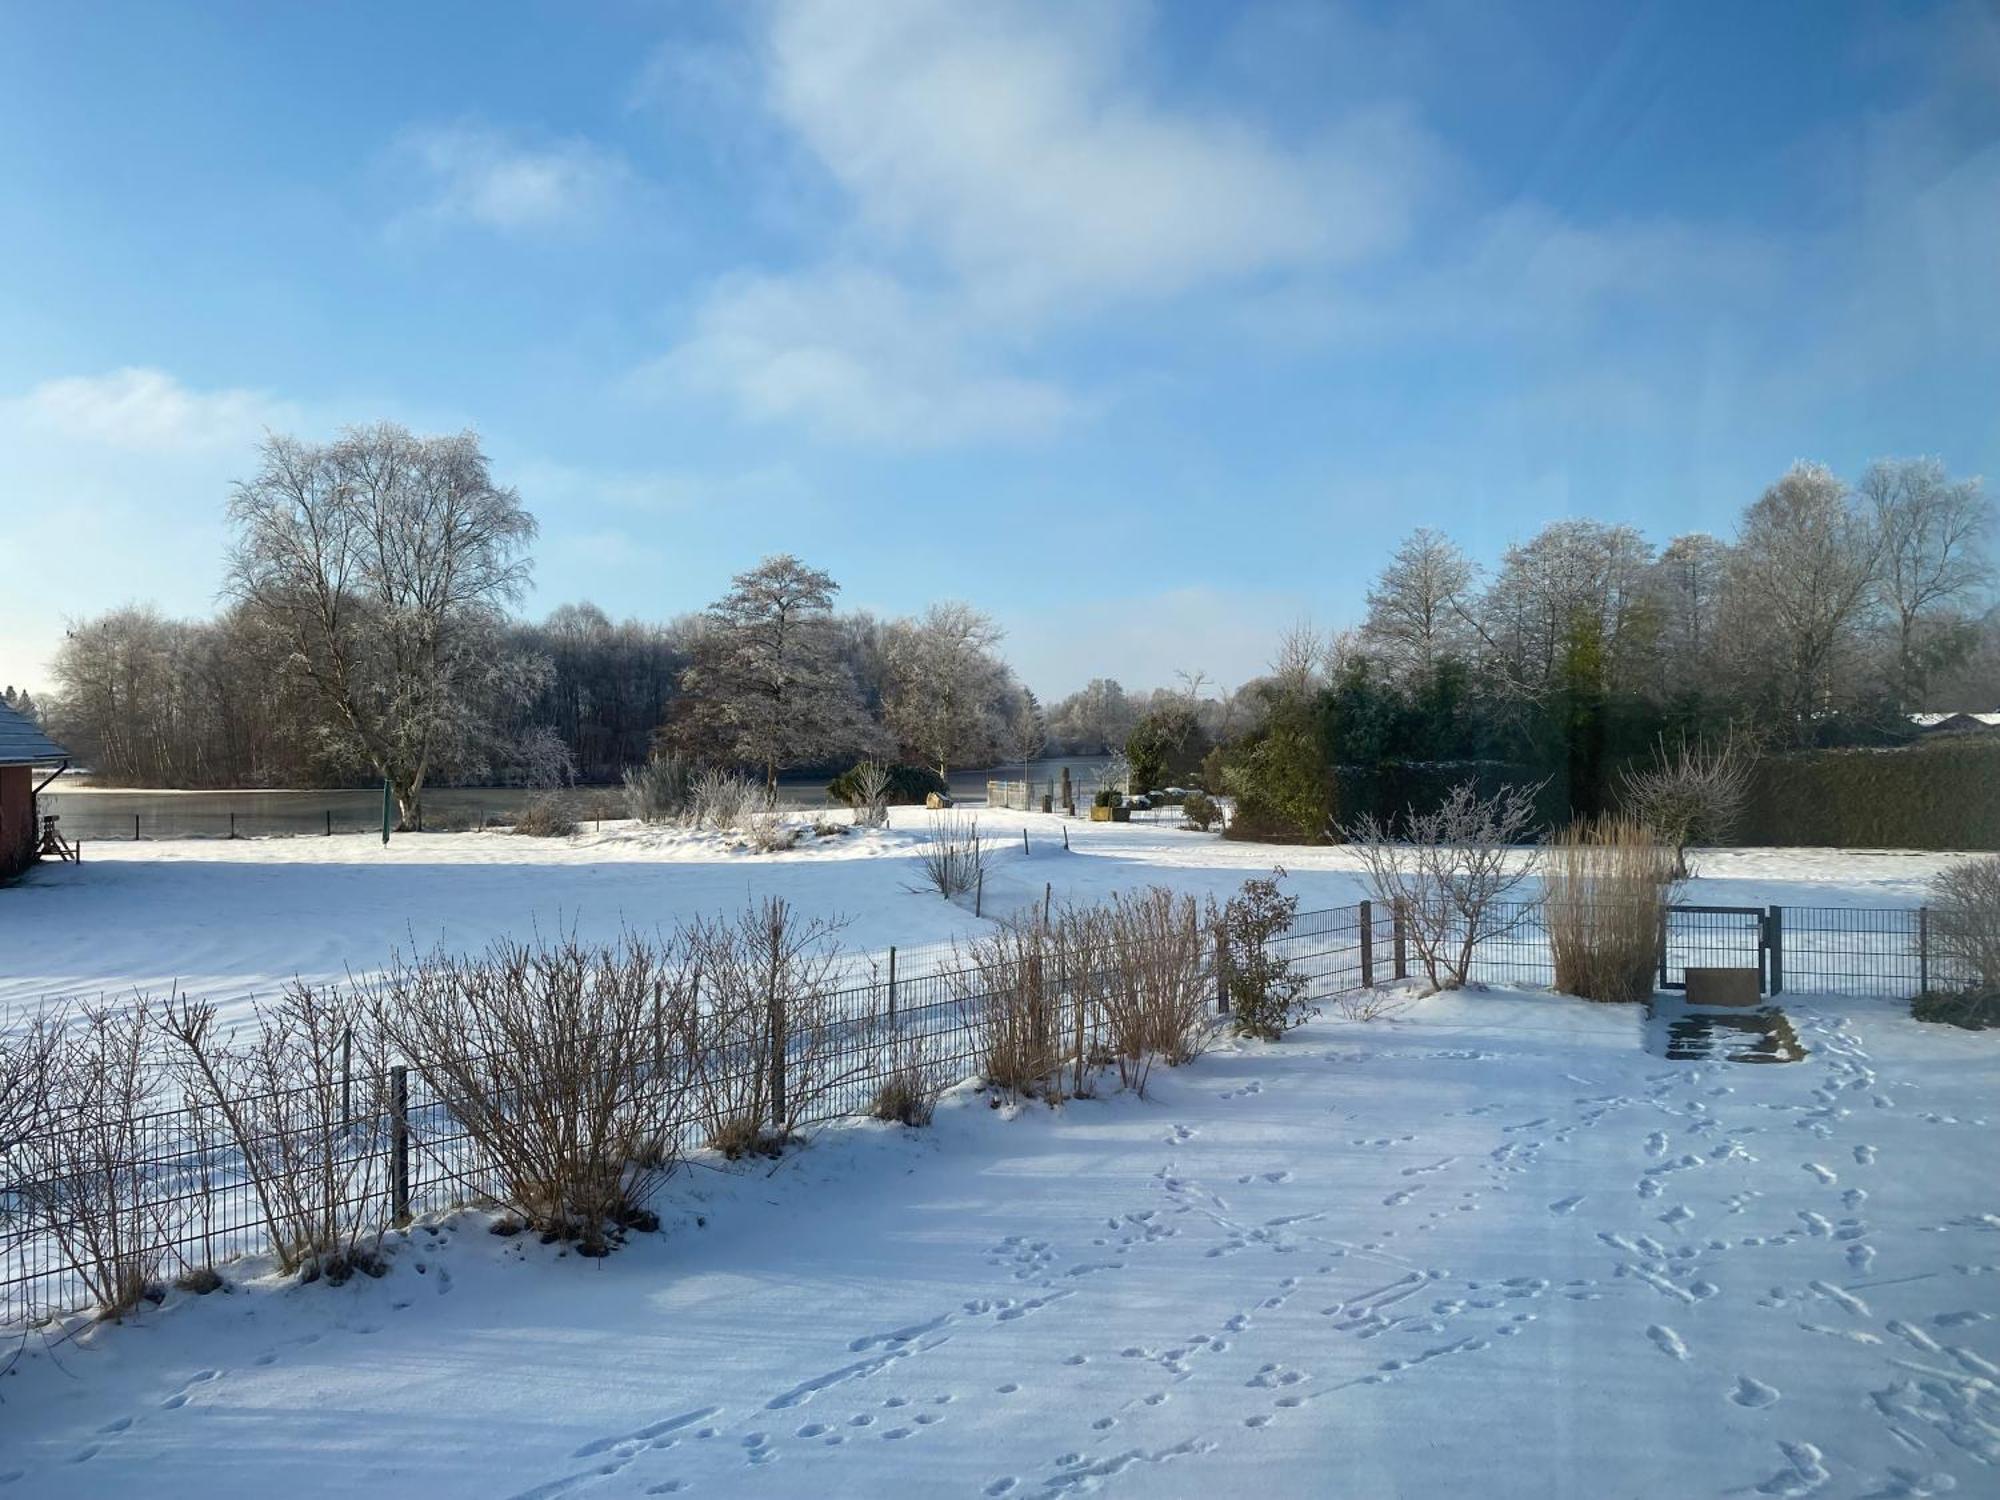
[366, 634]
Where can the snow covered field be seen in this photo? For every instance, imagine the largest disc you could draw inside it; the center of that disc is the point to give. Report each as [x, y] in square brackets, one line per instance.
[232, 919]
[1496, 1245]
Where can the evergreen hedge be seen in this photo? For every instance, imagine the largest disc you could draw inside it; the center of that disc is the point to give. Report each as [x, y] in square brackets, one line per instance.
[1941, 793]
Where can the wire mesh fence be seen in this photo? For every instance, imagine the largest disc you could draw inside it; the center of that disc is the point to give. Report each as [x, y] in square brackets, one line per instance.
[177, 1176]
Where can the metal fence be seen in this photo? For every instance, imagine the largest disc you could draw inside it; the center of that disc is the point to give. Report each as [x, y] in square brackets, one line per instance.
[406, 1150]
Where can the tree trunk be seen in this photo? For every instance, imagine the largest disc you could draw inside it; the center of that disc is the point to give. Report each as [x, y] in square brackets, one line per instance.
[409, 793]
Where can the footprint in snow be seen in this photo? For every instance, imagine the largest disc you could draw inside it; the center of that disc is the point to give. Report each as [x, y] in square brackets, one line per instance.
[1667, 1341]
[1752, 1393]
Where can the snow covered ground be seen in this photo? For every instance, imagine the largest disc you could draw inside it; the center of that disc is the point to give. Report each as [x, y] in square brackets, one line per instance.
[232, 919]
[1495, 1245]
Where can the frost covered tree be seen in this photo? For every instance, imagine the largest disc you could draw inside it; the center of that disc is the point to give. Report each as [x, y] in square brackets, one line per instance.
[1418, 608]
[1568, 572]
[1095, 719]
[1801, 583]
[1688, 581]
[767, 686]
[1933, 532]
[949, 697]
[383, 561]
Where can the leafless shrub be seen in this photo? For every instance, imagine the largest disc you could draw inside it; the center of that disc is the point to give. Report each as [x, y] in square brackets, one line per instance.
[955, 856]
[767, 831]
[1452, 874]
[1143, 964]
[1266, 999]
[303, 1104]
[29, 1051]
[1370, 1005]
[1965, 923]
[1014, 987]
[766, 1050]
[1692, 794]
[871, 794]
[545, 817]
[556, 1058]
[917, 1076]
[658, 791]
[1608, 883]
[86, 1175]
[721, 800]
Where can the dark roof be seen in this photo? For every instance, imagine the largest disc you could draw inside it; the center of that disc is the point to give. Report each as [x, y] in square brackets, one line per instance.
[22, 744]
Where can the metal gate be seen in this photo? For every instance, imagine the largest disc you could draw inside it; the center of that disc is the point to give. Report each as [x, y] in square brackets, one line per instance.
[1720, 937]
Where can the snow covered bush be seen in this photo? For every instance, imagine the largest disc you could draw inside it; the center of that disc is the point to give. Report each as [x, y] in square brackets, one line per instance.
[1266, 999]
[721, 800]
[767, 831]
[303, 1102]
[85, 1181]
[558, 1060]
[545, 817]
[1608, 883]
[1453, 875]
[658, 791]
[766, 1049]
[1965, 944]
[955, 855]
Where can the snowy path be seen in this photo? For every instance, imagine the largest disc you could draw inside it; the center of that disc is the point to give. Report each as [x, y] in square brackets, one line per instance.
[1496, 1238]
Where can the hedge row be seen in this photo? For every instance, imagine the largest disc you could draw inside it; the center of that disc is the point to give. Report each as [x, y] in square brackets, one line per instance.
[1940, 793]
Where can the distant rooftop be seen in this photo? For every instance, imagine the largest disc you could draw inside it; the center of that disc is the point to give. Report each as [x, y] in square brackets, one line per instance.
[22, 744]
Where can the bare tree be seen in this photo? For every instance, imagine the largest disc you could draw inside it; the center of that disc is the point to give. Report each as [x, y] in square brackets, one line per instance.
[1451, 877]
[1418, 608]
[1801, 581]
[1688, 582]
[383, 560]
[1298, 667]
[948, 694]
[767, 686]
[1693, 793]
[1569, 573]
[1933, 532]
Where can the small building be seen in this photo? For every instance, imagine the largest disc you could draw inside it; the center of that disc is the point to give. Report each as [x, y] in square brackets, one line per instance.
[24, 753]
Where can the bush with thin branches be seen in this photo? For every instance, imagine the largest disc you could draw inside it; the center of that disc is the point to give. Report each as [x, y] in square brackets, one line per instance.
[721, 800]
[1453, 874]
[87, 1175]
[1965, 925]
[765, 1046]
[658, 791]
[1015, 989]
[302, 1100]
[557, 1059]
[917, 1075]
[1144, 964]
[955, 855]
[868, 794]
[1608, 884]
[545, 817]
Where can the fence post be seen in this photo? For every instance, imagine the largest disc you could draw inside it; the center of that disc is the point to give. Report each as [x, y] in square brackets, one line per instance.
[1048, 896]
[1774, 938]
[135, 828]
[892, 986]
[347, 1080]
[399, 1147]
[1402, 955]
[1665, 914]
[232, 822]
[979, 893]
[1066, 835]
[1367, 910]
[1024, 841]
[1221, 972]
[329, 822]
[1923, 950]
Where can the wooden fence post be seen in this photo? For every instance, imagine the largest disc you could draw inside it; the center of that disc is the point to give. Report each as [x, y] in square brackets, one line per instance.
[1367, 910]
[399, 1144]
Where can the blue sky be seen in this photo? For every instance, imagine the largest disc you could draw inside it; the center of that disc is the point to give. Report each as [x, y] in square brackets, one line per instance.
[1147, 328]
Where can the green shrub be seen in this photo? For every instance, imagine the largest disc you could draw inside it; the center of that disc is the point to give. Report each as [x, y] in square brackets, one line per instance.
[1266, 999]
[908, 786]
[1283, 790]
[1200, 811]
[1108, 796]
[1936, 794]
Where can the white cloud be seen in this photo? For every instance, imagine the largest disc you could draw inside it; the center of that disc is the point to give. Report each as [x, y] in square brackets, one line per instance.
[472, 174]
[1013, 140]
[146, 411]
[851, 353]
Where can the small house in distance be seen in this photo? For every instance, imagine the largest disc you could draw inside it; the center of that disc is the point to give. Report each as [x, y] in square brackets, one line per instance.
[23, 749]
